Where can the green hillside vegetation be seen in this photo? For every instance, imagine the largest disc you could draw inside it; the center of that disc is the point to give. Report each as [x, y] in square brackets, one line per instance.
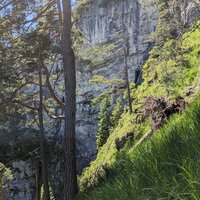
[166, 166]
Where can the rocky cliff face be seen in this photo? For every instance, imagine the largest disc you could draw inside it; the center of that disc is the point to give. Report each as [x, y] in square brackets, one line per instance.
[102, 22]
[22, 185]
[186, 12]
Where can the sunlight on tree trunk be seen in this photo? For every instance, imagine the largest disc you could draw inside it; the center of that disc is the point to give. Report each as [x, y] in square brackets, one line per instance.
[70, 184]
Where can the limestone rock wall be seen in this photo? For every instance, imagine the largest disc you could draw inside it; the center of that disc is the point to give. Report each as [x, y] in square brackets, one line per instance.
[186, 12]
[101, 22]
[22, 186]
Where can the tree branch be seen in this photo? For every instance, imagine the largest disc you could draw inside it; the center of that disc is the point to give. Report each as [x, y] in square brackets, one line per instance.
[26, 105]
[52, 116]
[51, 90]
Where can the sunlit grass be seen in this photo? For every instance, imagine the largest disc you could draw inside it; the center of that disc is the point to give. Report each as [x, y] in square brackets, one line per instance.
[165, 167]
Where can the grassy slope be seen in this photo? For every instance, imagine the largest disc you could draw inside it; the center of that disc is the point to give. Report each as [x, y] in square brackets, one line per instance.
[165, 167]
[169, 72]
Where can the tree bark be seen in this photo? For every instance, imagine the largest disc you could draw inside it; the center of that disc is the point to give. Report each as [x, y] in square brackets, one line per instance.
[126, 70]
[1, 188]
[59, 13]
[127, 83]
[43, 139]
[70, 184]
[38, 181]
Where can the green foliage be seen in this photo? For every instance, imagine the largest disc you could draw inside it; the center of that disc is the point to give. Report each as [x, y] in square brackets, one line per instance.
[170, 71]
[22, 37]
[104, 122]
[50, 191]
[79, 5]
[172, 68]
[18, 143]
[108, 153]
[102, 80]
[5, 176]
[165, 167]
[116, 112]
[113, 87]
[95, 55]
[5, 172]
[174, 19]
[86, 54]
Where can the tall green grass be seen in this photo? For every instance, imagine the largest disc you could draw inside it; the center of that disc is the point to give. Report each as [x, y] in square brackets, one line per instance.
[167, 167]
[169, 72]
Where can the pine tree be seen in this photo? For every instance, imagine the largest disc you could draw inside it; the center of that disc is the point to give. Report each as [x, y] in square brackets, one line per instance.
[24, 45]
[70, 184]
[116, 113]
[104, 123]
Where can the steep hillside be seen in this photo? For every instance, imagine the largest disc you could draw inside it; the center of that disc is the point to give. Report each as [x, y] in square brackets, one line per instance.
[171, 74]
[165, 167]
[101, 22]
[152, 44]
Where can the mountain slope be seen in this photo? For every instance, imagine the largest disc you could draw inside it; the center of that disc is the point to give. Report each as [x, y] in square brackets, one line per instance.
[172, 71]
[165, 167]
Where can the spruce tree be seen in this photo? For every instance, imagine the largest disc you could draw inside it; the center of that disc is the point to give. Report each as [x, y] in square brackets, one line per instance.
[70, 182]
[104, 122]
[116, 113]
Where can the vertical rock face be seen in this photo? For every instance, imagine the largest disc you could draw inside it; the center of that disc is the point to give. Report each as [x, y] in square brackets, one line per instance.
[102, 22]
[21, 187]
[101, 19]
[186, 12]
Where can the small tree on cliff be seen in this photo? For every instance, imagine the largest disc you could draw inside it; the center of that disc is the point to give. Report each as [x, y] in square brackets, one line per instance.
[116, 112]
[104, 123]
[126, 68]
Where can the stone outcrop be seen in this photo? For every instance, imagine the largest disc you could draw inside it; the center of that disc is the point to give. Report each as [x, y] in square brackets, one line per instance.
[23, 183]
[186, 12]
[102, 22]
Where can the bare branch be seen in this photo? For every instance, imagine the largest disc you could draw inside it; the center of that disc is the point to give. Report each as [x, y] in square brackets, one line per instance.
[51, 90]
[26, 105]
[51, 115]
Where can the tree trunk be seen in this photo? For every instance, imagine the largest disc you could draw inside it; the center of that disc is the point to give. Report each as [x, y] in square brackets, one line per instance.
[1, 188]
[127, 83]
[70, 184]
[59, 12]
[43, 139]
[38, 181]
[126, 70]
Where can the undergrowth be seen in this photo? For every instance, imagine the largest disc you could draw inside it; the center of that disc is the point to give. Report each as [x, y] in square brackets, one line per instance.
[165, 167]
[172, 70]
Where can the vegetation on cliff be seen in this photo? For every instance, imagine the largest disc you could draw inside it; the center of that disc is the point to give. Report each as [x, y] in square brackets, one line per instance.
[165, 167]
[37, 92]
[157, 167]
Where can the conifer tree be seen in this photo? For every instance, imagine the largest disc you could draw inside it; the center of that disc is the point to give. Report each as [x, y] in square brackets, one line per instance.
[24, 45]
[104, 122]
[116, 112]
[70, 184]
